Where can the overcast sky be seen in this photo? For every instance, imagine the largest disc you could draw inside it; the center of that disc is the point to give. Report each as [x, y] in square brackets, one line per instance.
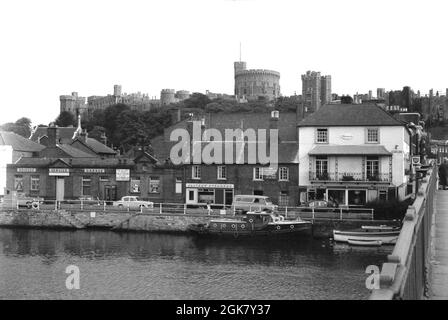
[54, 47]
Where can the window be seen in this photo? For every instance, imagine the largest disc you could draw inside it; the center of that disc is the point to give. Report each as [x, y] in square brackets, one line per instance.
[135, 185]
[178, 185]
[35, 183]
[222, 173]
[85, 186]
[372, 168]
[18, 183]
[372, 135]
[258, 173]
[154, 185]
[322, 136]
[382, 195]
[283, 199]
[283, 174]
[196, 172]
[322, 168]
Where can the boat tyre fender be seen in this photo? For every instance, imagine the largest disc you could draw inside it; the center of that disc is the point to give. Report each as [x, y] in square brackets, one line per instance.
[278, 227]
[233, 226]
[251, 220]
[291, 226]
[35, 205]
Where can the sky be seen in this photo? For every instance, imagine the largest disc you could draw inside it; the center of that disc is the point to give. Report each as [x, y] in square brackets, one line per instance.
[55, 47]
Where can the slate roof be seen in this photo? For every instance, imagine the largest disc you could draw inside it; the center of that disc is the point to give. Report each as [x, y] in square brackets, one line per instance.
[74, 152]
[343, 115]
[65, 134]
[19, 143]
[287, 152]
[349, 150]
[86, 162]
[96, 146]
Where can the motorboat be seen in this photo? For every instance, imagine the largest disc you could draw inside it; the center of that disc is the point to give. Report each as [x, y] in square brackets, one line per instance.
[251, 224]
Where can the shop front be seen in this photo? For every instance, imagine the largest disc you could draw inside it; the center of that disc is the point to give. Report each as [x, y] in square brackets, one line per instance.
[212, 193]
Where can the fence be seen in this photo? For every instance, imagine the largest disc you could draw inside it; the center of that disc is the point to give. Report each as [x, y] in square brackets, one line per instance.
[405, 274]
[306, 213]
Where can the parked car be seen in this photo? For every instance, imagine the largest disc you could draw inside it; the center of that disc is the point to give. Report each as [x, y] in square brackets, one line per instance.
[132, 202]
[27, 201]
[321, 204]
[245, 203]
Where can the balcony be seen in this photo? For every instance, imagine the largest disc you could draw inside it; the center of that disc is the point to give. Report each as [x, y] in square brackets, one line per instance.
[349, 177]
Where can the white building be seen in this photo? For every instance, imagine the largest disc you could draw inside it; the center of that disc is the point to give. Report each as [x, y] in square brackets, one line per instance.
[353, 154]
[12, 148]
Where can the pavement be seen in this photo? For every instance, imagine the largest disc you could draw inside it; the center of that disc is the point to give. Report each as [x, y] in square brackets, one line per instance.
[439, 258]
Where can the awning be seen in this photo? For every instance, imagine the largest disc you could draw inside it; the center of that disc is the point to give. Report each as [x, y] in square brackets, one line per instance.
[349, 150]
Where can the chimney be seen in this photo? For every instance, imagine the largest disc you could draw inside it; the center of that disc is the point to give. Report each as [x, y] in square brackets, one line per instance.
[273, 124]
[53, 135]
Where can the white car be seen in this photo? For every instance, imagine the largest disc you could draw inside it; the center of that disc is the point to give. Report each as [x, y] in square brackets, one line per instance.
[133, 202]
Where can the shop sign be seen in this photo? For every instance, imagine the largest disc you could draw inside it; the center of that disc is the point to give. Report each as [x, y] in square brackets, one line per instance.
[209, 185]
[94, 170]
[59, 172]
[26, 169]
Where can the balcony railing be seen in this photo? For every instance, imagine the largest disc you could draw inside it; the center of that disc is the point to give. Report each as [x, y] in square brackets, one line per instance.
[349, 176]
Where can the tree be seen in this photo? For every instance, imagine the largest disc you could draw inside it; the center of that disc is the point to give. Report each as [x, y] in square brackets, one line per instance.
[65, 119]
[21, 127]
[196, 100]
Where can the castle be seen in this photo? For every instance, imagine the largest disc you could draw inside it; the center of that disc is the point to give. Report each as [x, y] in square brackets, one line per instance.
[255, 83]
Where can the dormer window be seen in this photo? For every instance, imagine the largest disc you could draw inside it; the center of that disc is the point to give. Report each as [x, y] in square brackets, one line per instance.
[322, 135]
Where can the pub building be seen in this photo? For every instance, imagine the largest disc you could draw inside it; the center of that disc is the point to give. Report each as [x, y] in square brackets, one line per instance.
[103, 179]
[69, 170]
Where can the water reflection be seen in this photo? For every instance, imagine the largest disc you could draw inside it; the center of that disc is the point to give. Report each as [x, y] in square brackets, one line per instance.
[165, 266]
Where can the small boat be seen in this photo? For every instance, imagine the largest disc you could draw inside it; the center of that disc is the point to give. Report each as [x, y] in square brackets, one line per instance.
[382, 233]
[365, 242]
[251, 224]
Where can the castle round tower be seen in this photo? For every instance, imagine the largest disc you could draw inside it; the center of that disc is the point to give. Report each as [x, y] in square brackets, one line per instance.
[167, 96]
[254, 83]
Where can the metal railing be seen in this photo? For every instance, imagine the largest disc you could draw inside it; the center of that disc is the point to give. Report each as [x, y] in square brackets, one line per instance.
[405, 274]
[349, 177]
[290, 212]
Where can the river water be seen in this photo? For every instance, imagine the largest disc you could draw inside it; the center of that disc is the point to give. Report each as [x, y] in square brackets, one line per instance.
[166, 266]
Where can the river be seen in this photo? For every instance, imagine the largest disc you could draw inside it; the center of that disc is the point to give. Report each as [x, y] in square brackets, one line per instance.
[170, 266]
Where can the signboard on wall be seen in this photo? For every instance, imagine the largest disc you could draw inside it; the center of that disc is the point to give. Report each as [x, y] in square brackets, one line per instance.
[26, 169]
[58, 172]
[94, 170]
[209, 185]
[122, 174]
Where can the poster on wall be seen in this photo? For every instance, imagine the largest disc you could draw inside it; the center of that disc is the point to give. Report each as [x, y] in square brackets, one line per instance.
[122, 174]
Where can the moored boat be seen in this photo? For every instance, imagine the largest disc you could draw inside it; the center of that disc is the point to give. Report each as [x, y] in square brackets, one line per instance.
[252, 224]
[383, 234]
[365, 242]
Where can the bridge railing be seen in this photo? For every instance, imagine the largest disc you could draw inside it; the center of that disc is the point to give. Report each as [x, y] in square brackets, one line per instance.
[404, 275]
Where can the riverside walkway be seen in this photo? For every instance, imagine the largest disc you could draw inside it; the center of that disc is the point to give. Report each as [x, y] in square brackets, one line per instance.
[438, 280]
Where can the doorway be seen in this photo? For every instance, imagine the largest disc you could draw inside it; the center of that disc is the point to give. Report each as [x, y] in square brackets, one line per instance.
[60, 183]
[192, 195]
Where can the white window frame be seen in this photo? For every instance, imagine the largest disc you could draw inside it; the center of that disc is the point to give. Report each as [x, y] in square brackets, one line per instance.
[152, 181]
[283, 171]
[33, 179]
[222, 169]
[259, 176]
[317, 135]
[377, 135]
[196, 172]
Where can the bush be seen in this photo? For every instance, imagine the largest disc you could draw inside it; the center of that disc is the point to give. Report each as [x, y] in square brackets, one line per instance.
[389, 209]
